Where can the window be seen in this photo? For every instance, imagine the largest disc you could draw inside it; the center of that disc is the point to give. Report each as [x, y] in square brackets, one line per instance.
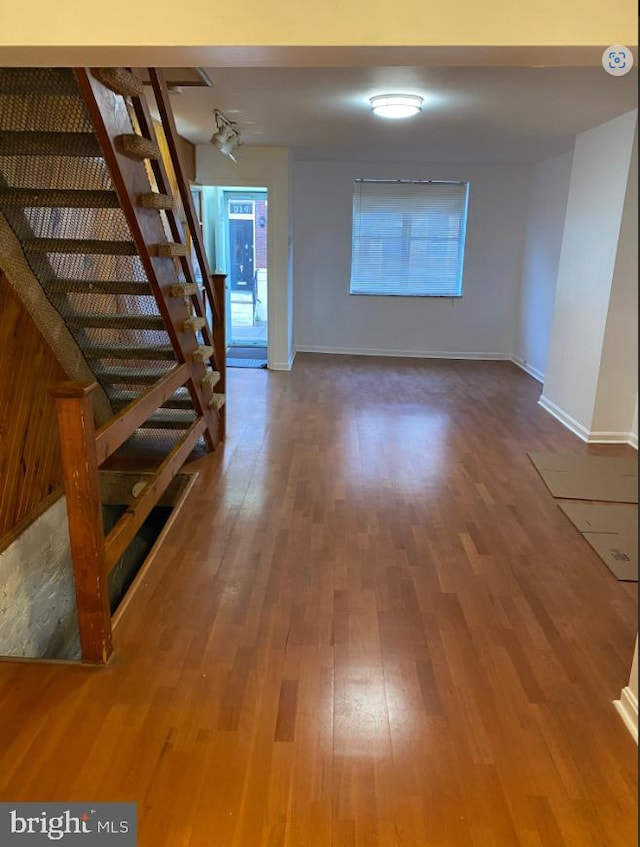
[408, 237]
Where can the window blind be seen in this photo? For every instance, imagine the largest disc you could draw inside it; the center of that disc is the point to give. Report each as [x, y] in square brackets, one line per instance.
[408, 237]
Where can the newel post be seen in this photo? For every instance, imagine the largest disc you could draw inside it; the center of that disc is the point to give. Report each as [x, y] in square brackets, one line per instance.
[84, 511]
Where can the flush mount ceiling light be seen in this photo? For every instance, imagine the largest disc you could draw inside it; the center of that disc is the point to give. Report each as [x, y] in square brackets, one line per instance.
[227, 136]
[396, 105]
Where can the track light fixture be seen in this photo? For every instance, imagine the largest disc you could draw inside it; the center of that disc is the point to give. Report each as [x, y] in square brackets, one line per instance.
[227, 136]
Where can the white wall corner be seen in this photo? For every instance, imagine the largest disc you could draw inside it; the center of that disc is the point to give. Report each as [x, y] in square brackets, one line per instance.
[586, 271]
[605, 437]
[528, 368]
[283, 366]
[589, 435]
[571, 423]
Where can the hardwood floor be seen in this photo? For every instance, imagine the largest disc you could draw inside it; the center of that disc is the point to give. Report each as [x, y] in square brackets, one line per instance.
[370, 626]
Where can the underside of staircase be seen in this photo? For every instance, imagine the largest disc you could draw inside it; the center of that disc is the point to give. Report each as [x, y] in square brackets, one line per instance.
[92, 243]
[60, 198]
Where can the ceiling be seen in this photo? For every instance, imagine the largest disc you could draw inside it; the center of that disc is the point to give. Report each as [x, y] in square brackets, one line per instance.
[484, 114]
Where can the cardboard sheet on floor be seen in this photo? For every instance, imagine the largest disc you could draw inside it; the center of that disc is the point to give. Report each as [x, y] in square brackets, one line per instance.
[612, 531]
[607, 478]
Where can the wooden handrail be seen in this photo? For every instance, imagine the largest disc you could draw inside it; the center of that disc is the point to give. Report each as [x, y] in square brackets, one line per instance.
[83, 450]
[216, 298]
[168, 123]
[130, 522]
[115, 432]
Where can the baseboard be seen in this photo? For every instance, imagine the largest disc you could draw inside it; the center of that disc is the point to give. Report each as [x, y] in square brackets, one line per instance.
[627, 708]
[559, 414]
[596, 437]
[283, 366]
[528, 368]
[401, 354]
[591, 436]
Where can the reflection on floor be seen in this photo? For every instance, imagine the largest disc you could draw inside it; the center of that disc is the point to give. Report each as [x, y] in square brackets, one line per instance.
[371, 626]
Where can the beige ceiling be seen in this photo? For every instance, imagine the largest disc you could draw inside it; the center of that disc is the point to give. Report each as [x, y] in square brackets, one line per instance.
[492, 114]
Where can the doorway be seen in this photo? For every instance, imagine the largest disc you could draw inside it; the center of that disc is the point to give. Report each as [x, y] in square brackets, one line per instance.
[236, 235]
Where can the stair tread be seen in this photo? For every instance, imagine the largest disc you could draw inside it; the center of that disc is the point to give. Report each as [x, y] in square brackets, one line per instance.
[97, 286]
[217, 401]
[171, 249]
[117, 321]
[155, 200]
[80, 246]
[211, 379]
[62, 198]
[138, 147]
[128, 351]
[130, 376]
[49, 81]
[184, 289]
[169, 420]
[66, 144]
[120, 80]
[180, 400]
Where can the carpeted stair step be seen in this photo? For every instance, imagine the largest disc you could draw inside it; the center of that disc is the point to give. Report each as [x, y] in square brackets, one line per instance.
[180, 400]
[201, 353]
[130, 376]
[138, 147]
[217, 401]
[120, 81]
[154, 200]
[115, 321]
[27, 198]
[98, 286]
[171, 250]
[122, 351]
[79, 246]
[193, 324]
[67, 144]
[184, 289]
[210, 380]
[25, 81]
[169, 420]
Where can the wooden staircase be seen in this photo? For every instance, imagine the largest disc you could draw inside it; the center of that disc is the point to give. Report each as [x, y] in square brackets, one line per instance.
[85, 190]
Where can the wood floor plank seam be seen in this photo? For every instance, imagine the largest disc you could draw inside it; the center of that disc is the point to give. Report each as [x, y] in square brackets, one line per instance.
[369, 627]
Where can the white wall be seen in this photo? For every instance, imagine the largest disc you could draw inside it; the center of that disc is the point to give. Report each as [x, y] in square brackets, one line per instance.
[592, 227]
[616, 394]
[545, 225]
[263, 167]
[482, 323]
[633, 677]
